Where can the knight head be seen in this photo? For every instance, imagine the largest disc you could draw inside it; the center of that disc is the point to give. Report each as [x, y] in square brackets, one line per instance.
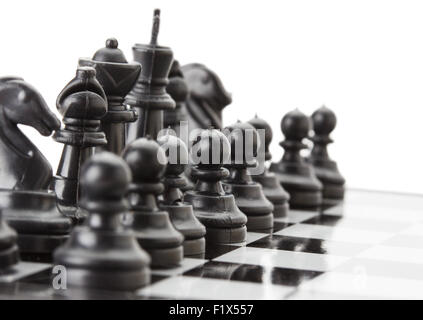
[23, 104]
[204, 84]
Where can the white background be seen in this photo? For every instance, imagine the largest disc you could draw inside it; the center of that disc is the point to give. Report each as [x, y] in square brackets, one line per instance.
[363, 59]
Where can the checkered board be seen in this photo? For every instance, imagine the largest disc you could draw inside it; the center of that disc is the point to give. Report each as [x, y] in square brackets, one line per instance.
[370, 247]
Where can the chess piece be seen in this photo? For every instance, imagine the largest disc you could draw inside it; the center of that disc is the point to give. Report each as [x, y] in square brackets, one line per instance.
[149, 96]
[82, 103]
[294, 173]
[101, 253]
[152, 226]
[180, 213]
[177, 88]
[25, 173]
[324, 121]
[248, 194]
[117, 77]
[9, 255]
[215, 209]
[207, 97]
[272, 189]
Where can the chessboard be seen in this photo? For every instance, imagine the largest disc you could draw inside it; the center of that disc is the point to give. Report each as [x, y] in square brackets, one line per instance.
[368, 247]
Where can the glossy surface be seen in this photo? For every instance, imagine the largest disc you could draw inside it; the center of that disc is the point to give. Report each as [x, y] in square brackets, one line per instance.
[368, 248]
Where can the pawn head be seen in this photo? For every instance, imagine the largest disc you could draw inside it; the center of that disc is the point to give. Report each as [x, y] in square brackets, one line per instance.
[210, 147]
[146, 159]
[104, 176]
[176, 153]
[244, 141]
[295, 125]
[324, 121]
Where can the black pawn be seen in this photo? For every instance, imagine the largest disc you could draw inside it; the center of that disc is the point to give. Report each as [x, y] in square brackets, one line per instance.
[324, 122]
[117, 77]
[82, 103]
[149, 96]
[272, 189]
[180, 213]
[248, 194]
[294, 173]
[9, 255]
[102, 253]
[215, 209]
[151, 225]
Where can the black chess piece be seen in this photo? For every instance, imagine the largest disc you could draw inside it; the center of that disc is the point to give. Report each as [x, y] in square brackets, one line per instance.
[248, 194]
[152, 226]
[294, 173]
[102, 253]
[177, 88]
[25, 173]
[180, 213]
[324, 122]
[9, 255]
[82, 103]
[117, 77]
[272, 189]
[215, 209]
[207, 97]
[149, 96]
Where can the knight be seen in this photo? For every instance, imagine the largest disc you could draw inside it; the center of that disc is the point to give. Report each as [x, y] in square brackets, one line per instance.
[324, 122]
[272, 189]
[207, 97]
[83, 103]
[26, 204]
[117, 77]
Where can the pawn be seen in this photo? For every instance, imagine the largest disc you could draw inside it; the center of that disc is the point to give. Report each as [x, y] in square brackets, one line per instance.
[324, 121]
[102, 254]
[8, 249]
[294, 173]
[272, 189]
[248, 194]
[152, 226]
[217, 210]
[180, 213]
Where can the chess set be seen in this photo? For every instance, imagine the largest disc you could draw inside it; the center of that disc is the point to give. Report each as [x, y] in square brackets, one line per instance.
[121, 220]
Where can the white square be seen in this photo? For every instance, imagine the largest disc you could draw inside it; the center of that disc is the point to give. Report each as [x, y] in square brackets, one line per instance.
[282, 259]
[334, 233]
[203, 288]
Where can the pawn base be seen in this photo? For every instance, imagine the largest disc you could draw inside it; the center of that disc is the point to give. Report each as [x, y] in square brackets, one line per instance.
[165, 258]
[301, 199]
[226, 235]
[108, 280]
[260, 223]
[194, 247]
[39, 244]
[9, 257]
[280, 210]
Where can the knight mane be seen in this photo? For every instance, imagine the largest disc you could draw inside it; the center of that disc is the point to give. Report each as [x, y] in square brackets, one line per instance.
[226, 96]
